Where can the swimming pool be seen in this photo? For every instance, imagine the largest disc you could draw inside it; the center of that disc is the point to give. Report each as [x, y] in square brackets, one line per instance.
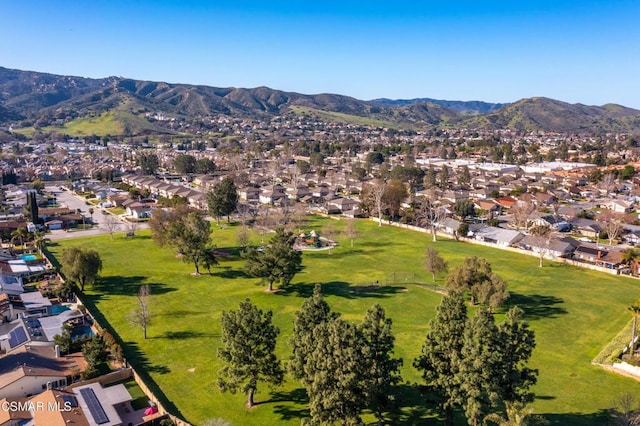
[26, 257]
[56, 309]
[82, 331]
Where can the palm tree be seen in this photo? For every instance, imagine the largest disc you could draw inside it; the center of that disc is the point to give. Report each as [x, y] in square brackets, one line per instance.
[631, 257]
[518, 414]
[635, 309]
[39, 240]
[19, 234]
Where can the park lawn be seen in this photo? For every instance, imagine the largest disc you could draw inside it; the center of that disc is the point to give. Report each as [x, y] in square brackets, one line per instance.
[574, 312]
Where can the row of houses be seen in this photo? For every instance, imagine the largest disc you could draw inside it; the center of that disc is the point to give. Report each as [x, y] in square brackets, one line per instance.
[556, 247]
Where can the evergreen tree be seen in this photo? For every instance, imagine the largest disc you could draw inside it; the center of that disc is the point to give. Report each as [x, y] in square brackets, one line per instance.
[313, 312]
[444, 177]
[148, 163]
[248, 346]
[516, 344]
[479, 372]
[430, 178]
[95, 353]
[277, 263]
[334, 372]
[223, 199]
[382, 370]
[464, 176]
[184, 164]
[441, 354]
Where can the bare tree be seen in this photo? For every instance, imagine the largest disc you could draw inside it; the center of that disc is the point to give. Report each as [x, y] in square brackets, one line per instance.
[430, 215]
[377, 194]
[350, 230]
[613, 224]
[541, 237]
[521, 211]
[111, 224]
[607, 183]
[264, 221]
[242, 238]
[132, 227]
[626, 412]
[141, 315]
[329, 232]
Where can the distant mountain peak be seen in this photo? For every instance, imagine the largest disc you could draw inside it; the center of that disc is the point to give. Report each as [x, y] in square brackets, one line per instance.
[31, 95]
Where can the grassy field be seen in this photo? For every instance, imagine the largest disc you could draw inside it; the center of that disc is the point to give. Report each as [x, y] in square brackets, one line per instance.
[574, 313]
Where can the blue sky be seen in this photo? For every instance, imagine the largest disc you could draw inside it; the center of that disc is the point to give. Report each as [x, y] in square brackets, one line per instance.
[496, 51]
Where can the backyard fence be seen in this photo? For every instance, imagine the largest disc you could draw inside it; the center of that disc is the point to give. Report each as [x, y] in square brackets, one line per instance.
[126, 372]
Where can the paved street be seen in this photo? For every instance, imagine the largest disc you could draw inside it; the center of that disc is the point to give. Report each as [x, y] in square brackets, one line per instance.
[70, 200]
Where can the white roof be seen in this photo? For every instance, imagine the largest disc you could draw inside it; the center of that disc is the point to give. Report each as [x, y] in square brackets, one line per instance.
[108, 397]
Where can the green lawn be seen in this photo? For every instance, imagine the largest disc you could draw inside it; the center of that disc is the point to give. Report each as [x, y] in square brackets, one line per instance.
[574, 313]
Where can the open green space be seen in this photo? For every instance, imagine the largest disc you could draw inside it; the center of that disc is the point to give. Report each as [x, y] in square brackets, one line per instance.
[574, 312]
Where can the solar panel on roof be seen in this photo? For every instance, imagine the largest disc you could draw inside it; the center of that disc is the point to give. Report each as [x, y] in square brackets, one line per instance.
[17, 337]
[94, 406]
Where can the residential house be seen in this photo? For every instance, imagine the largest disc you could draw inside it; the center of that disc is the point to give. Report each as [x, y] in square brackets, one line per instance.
[556, 247]
[587, 227]
[619, 206]
[32, 369]
[450, 225]
[499, 236]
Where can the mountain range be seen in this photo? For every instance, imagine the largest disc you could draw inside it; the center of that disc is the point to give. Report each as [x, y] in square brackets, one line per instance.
[30, 96]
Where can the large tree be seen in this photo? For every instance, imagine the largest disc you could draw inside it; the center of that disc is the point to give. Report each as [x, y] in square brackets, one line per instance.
[394, 194]
[205, 166]
[464, 208]
[222, 199]
[148, 163]
[278, 262]
[313, 312]
[516, 344]
[81, 266]
[334, 372]
[248, 350]
[475, 275]
[184, 164]
[441, 355]
[479, 372]
[186, 231]
[382, 370]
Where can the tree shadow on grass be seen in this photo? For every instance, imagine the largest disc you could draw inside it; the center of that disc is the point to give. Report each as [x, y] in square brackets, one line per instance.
[343, 253]
[411, 408]
[343, 289]
[181, 335]
[228, 253]
[600, 417]
[141, 363]
[53, 259]
[128, 286]
[537, 306]
[229, 273]
[288, 412]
